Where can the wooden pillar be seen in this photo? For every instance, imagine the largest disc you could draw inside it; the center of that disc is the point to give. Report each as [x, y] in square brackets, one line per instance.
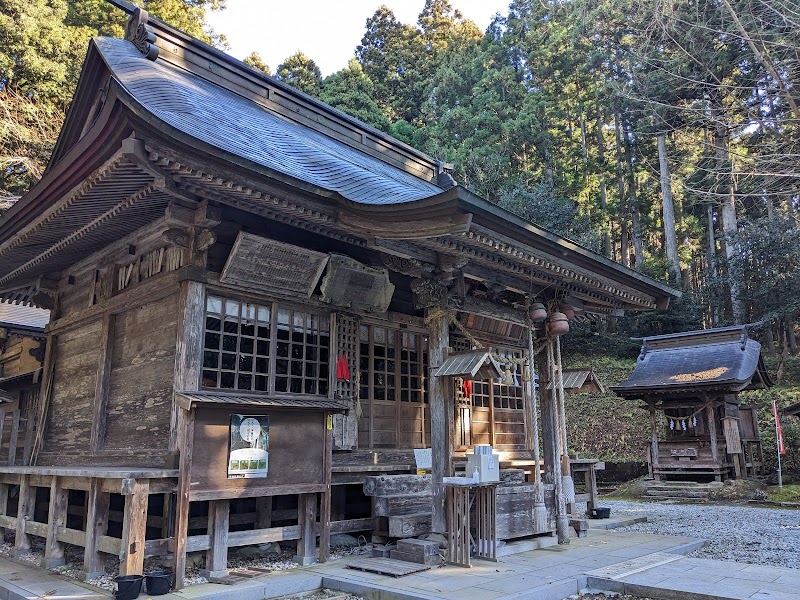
[441, 443]
[218, 526]
[653, 441]
[25, 508]
[188, 351]
[307, 516]
[4, 487]
[712, 431]
[551, 435]
[134, 525]
[325, 497]
[182, 503]
[188, 369]
[263, 512]
[97, 503]
[56, 519]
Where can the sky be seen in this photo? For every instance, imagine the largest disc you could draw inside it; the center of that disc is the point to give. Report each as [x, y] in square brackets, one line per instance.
[327, 31]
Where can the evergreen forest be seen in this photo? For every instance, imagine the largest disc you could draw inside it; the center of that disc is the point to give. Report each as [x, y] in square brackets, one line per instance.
[662, 134]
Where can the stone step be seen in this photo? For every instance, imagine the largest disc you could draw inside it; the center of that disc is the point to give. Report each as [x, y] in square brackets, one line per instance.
[676, 493]
[413, 525]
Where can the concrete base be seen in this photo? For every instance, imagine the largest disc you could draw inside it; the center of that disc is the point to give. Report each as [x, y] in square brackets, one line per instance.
[91, 575]
[52, 563]
[616, 522]
[526, 545]
[304, 561]
[208, 574]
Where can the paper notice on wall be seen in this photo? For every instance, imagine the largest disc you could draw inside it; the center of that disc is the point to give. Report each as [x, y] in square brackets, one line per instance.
[248, 457]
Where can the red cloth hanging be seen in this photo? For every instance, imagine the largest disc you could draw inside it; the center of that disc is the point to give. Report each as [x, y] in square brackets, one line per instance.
[342, 368]
[466, 388]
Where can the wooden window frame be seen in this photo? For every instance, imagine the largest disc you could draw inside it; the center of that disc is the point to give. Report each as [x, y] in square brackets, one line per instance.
[319, 324]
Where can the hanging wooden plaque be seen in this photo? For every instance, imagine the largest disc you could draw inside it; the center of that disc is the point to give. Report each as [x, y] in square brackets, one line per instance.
[257, 263]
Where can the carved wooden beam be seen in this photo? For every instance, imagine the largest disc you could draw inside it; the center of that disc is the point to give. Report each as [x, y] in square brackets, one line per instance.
[493, 310]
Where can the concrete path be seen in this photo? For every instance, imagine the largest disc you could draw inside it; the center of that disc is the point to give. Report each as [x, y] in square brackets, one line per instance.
[635, 563]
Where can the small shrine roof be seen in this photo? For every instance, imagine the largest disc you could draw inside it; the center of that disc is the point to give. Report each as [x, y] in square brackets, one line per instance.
[188, 399]
[713, 360]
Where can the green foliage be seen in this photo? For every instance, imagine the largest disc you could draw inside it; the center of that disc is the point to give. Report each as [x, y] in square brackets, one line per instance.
[300, 72]
[255, 61]
[351, 91]
[42, 47]
[788, 493]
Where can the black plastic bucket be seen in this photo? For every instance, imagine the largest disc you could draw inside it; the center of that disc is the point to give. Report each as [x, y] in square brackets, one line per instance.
[128, 587]
[158, 582]
[600, 513]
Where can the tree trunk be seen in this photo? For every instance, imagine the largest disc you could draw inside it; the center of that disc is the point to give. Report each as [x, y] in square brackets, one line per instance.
[670, 237]
[769, 340]
[728, 210]
[636, 229]
[603, 194]
[623, 225]
[712, 259]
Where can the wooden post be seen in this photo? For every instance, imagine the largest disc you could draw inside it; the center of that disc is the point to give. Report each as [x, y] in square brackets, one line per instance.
[653, 441]
[182, 505]
[441, 448]
[56, 519]
[13, 441]
[307, 516]
[97, 503]
[188, 369]
[25, 508]
[134, 524]
[188, 350]
[218, 526]
[4, 487]
[325, 498]
[590, 478]
[263, 512]
[712, 432]
[552, 440]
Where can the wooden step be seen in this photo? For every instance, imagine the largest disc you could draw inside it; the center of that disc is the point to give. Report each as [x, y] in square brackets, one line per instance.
[676, 493]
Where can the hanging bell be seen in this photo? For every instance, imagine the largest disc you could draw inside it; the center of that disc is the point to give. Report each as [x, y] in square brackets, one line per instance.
[537, 312]
[557, 324]
[567, 309]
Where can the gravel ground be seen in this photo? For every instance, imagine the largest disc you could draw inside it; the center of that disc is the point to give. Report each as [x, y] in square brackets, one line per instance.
[746, 534]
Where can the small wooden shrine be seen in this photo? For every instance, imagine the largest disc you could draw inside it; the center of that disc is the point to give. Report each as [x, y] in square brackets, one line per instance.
[22, 344]
[249, 291]
[690, 384]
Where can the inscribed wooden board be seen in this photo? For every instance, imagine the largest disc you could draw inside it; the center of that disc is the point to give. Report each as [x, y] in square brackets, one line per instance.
[259, 263]
[730, 426]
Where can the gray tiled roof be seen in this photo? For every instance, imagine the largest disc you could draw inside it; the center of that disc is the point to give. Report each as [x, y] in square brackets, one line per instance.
[187, 399]
[241, 127]
[24, 316]
[725, 365]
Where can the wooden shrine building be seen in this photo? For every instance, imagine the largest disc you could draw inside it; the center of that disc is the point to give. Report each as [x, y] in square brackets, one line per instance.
[248, 292]
[690, 384]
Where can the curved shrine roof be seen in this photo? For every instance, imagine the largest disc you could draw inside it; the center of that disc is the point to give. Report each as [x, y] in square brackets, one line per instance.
[242, 128]
[714, 360]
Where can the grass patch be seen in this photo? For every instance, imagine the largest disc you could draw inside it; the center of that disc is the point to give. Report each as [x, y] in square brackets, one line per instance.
[788, 493]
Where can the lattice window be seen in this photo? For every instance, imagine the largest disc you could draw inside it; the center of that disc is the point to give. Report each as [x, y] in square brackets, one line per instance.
[243, 339]
[510, 396]
[392, 365]
[480, 394]
[301, 352]
[411, 373]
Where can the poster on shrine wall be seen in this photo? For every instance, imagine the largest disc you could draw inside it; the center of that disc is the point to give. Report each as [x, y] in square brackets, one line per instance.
[248, 457]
